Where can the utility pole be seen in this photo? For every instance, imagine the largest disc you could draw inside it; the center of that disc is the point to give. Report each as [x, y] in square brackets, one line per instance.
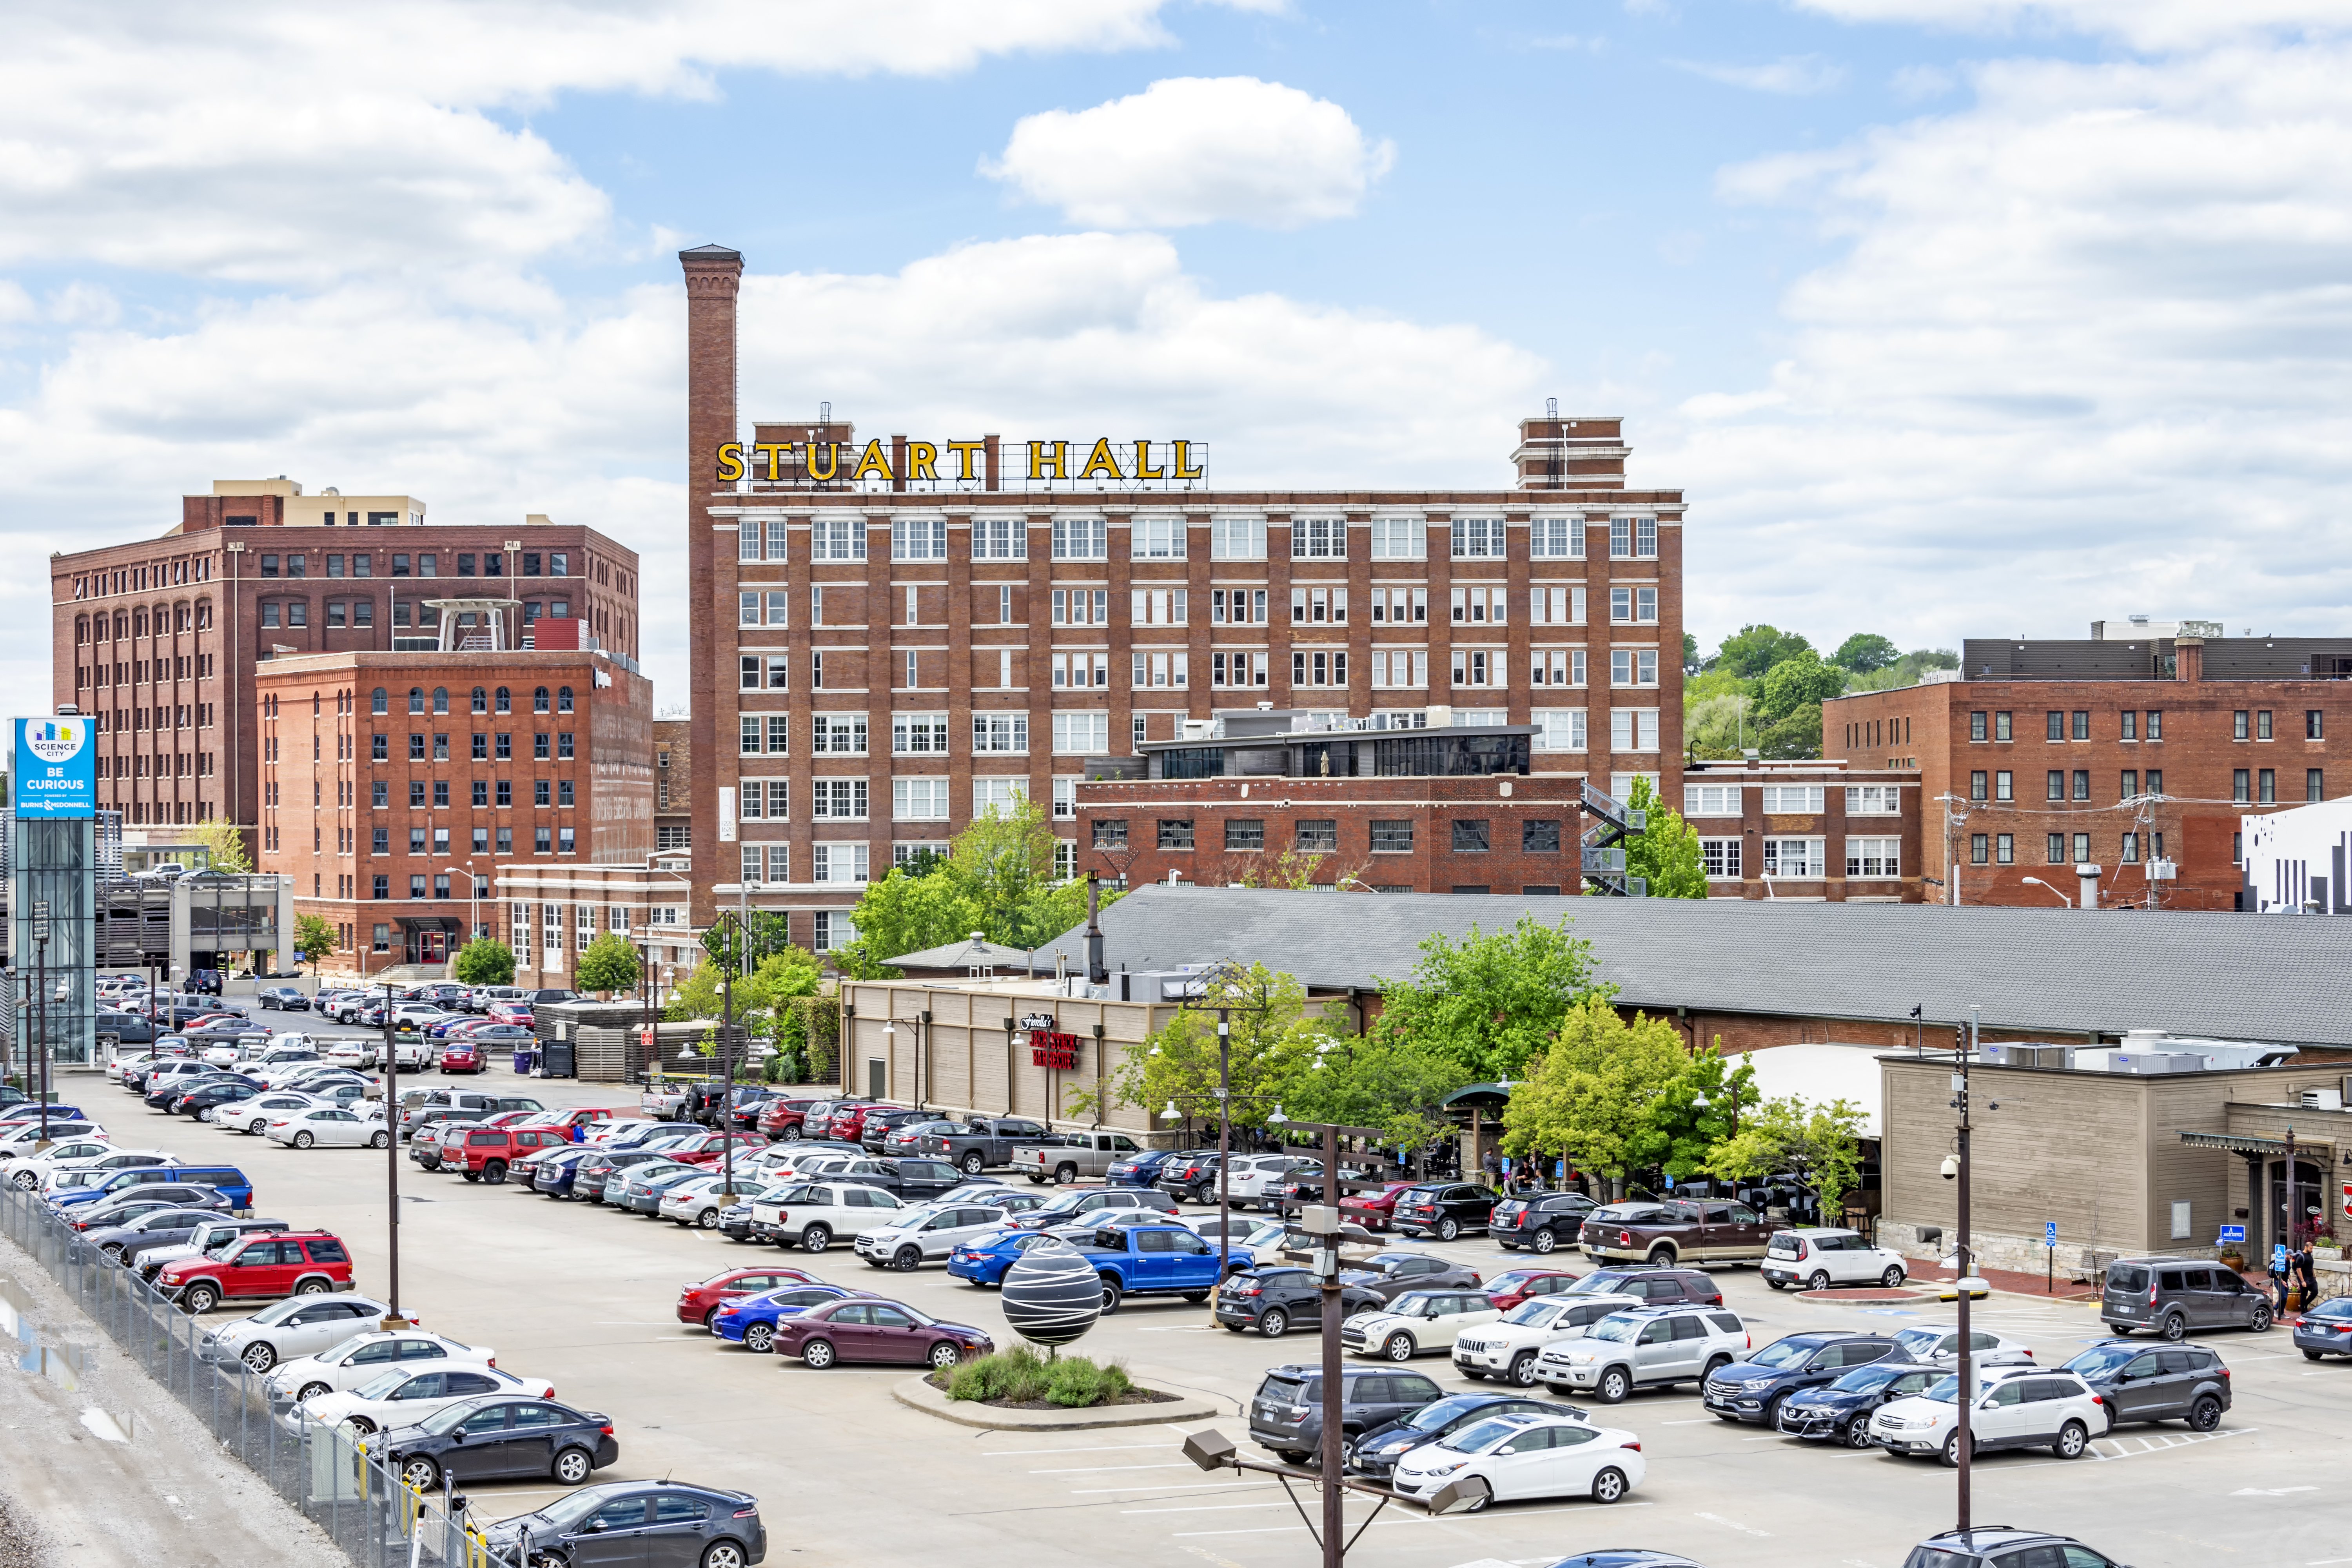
[41, 1013]
[1966, 1402]
[391, 1162]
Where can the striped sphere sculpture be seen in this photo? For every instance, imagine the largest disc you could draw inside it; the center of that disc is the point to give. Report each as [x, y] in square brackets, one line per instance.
[1052, 1294]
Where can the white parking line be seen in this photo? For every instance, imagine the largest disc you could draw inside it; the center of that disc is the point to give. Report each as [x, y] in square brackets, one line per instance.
[1098, 1449]
[1487, 1516]
[1091, 1469]
[1733, 1524]
[1169, 1487]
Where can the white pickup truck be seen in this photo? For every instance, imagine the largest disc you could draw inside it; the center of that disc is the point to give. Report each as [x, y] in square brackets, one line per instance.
[1078, 1154]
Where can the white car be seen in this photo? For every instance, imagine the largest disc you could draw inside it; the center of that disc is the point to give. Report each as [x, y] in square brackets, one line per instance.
[809, 1215]
[1527, 1456]
[1930, 1344]
[93, 1168]
[227, 1053]
[1645, 1347]
[362, 1357]
[253, 1116]
[404, 1394]
[1820, 1258]
[114, 1068]
[692, 1202]
[275, 1066]
[349, 1053]
[297, 1326]
[325, 1124]
[2026, 1407]
[927, 1233]
[1417, 1321]
[26, 1173]
[1252, 1174]
[1510, 1347]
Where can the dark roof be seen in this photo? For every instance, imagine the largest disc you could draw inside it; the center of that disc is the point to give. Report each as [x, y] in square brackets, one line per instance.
[2279, 978]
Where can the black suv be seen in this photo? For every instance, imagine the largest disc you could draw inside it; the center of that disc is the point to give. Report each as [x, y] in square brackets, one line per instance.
[1752, 1390]
[2138, 1384]
[1285, 1414]
[2173, 1297]
[1840, 1412]
[1375, 1453]
[1538, 1221]
[880, 1124]
[1999, 1546]
[1442, 1209]
[1388, 1275]
[915, 1181]
[1653, 1287]
[1270, 1299]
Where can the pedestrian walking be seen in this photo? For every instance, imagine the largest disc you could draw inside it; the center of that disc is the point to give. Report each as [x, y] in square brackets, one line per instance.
[2305, 1273]
[2280, 1275]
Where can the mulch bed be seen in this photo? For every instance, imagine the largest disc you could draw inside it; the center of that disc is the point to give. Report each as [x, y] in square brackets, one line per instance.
[1134, 1397]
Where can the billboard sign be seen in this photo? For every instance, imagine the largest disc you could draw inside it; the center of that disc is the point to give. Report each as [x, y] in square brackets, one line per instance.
[55, 768]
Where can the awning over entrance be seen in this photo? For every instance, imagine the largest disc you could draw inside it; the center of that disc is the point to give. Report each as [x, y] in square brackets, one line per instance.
[2230, 1142]
[427, 922]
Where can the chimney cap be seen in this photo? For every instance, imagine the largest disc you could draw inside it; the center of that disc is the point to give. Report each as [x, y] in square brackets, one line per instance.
[709, 253]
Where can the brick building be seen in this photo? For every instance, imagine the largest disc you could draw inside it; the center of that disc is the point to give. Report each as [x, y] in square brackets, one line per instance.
[557, 907]
[159, 639]
[1262, 798]
[2136, 752]
[397, 787]
[674, 784]
[1807, 830]
[986, 613]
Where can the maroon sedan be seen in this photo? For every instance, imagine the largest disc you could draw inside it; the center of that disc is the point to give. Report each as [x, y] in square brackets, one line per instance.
[1373, 1210]
[696, 1303]
[707, 1148]
[876, 1330]
[782, 1118]
[1508, 1288]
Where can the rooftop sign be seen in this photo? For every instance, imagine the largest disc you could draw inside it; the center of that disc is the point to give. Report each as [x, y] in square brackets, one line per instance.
[1103, 461]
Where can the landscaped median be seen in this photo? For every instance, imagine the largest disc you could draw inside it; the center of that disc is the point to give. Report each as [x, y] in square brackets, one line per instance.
[1017, 1390]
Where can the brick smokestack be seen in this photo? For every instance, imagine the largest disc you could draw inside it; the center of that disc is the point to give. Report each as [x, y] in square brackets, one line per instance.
[2189, 659]
[713, 275]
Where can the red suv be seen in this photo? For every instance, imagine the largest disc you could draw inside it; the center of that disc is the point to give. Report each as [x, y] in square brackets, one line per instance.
[850, 1118]
[698, 1303]
[487, 1152]
[782, 1118]
[510, 1013]
[259, 1268]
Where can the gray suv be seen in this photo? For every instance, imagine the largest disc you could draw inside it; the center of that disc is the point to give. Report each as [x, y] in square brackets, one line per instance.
[1285, 1414]
[2137, 1382]
[2173, 1295]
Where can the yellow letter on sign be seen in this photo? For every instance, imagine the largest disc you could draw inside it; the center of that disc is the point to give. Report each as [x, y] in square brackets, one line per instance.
[1143, 469]
[964, 451]
[873, 461]
[1184, 450]
[1100, 460]
[730, 461]
[921, 456]
[1038, 458]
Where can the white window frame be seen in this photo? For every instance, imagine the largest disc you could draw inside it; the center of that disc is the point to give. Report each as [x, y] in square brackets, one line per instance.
[839, 860]
[1157, 539]
[1720, 857]
[1317, 538]
[1390, 663]
[1320, 668]
[1081, 538]
[999, 733]
[1794, 800]
[1399, 539]
[1479, 538]
[1158, 670]
[1874, 856]
[837, 734]
[1559, 729]
[1810, 865]
[1066, 795]
[919, 539]
[831, 930]
[1237, 539]
[999, 539]
[1081, 732]
[1481, 669]
[1249, 664]
[1633, 728]
[920, 798]
[1633, 666]
[838, 799]
[1158, 605]
[1711, 800]
[1556, 538]
[837, 536]
[1874, 800]
[1000, 792]
[918, 734]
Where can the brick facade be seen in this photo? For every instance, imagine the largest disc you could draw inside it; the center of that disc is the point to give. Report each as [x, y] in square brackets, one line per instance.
[961, 633]
[452, 729]
[674, 784]
[1812, 830]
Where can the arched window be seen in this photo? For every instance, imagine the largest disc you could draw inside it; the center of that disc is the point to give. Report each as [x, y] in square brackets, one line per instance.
[416, 700]
[379, 700]
[539, 699]
[563, 700]
[204, 614]
[163, 619]
[506, 700]
[81, 628]
[314, 705]
[122, 625]
[139, 624]
[440, 700]
[181, 620]
[481, 701]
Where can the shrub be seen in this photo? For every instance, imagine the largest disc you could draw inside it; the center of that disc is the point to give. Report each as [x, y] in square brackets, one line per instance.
[1019, 1377]
[1074, 1382]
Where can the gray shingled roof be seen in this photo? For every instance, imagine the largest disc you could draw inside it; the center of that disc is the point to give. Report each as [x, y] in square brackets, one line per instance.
[958, 956]
[2235, 976]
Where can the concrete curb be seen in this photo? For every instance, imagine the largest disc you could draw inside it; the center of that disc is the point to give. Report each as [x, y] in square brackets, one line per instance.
[917, 1394]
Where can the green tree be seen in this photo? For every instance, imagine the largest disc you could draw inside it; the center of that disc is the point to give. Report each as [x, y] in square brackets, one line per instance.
[1906, 670]
[486, 961]
[908, 913]
[1667, 850]
[1388, 1081]
[1594, 1093]
[610, 964]
[1001, 878]
[1820, 1145]
[314, 938]
[225, 843]
[1488, 1002]
[1754, 649]
[1690, 654]
[1178, 1064]
[1865, 652]
[1796, 681]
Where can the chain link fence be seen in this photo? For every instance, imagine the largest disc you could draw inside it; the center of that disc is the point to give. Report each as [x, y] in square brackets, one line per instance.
[376, 1520]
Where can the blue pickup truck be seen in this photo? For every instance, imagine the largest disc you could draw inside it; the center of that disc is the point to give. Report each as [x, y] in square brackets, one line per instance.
[1153, 1260]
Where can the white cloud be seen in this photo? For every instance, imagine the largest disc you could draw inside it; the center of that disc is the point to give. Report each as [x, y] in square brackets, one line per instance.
[1793, 75]
[2085, 353]
[1193, 150]
[2149, 23]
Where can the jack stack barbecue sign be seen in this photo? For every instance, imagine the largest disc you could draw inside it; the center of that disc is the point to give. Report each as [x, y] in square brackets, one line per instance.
[1048, 1046]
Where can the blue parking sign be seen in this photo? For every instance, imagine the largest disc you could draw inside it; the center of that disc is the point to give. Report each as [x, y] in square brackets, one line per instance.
[2234, 1233]
[2050, 1233]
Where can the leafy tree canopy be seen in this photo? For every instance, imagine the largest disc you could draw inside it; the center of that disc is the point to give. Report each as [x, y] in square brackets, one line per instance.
[225, 843]
[1388, 1081]
[314, 938]
[1666, 851]
[1796, 681]
[609, 965]
[1820, 1145]
[1489, 1003]
[999, 878]
[1754, 649]
[1865, 652]
[1265, 1047]
[486, 961]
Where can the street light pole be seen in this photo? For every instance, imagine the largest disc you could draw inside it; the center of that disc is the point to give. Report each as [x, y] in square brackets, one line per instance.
[392, 1162]
[1966, 1402]
[41, 1013]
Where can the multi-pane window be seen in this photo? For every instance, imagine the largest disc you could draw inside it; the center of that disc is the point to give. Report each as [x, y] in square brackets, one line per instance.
[1633, 538]
[1317, 835]
[999, 794]
[837, 538]
[2266, 786]
[1633, 728]
[1391, 837]
[1243, 833]
[999, 731]
[2130, 855]
[2129, 728]
[1471, 836]
[1633, 606]
[2004, 786]
[1081, 733]
[770, 672]
[1318, 667]
[1081, 538]
[1065, 794]
[1238, 670]
[2263, 724]
[837, 734]
[1556, 605]
[1081, 607]
[2081, 783]
[2129, 784]
[1078, 670]
[1318, 539]
[2056, 726]
[1476, 667]
[1480, 606]
[1156, 539]
[1400, 606]
[1556, 539]
[2315, 726]
[999, 539]
[838, 800]
[2056, 782]
[919, 539]
[1175, 833]
[1477, 539]
[833, 930]
[2056, 850]
[1157, 607]
[2156, 781]
[765, 732]
[1721, 856]
[1560, 666]
[1159, 668]
[1111, 833]
[1318, 606]
[2081, 849]
[919, 799]
[1795, 857]
[1793, 800]
[765, 799]
[2156, 723]
[1710, 800]
[1633, 666]
[1874, 856]
[1876, 800]
[2004, 848]
[1237, 539]
[904, 854]
[1559, 729]
[1976, 726]
[2082, 724]
[840, 862]
[1237, 607]
[2315, 784]
[1399, 539]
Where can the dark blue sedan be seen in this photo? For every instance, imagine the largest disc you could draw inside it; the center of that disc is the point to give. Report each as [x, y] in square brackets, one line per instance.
[750, 1321]
[1143, 1170]
[984, 1259]
[2326, 1329]
[554, 1176]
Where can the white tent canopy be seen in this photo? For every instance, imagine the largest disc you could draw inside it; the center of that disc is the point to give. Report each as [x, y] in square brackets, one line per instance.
[1821, 1074]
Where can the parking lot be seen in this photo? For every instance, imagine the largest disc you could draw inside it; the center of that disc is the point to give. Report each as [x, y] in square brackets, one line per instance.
[584, 1297]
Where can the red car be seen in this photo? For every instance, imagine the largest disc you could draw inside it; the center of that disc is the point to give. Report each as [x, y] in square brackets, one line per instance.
[697, 1303]
[487, 1152]
[705, 1148]
[1508, 1288]
[510, 1013]
[460, 1054]
[579, 1123]
[266, 1266]
[1374, 1210]
[876, 1330]
[782, 1118]
[849, 1121]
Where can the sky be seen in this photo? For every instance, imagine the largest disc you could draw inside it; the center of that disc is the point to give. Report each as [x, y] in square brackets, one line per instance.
[1950, 317]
